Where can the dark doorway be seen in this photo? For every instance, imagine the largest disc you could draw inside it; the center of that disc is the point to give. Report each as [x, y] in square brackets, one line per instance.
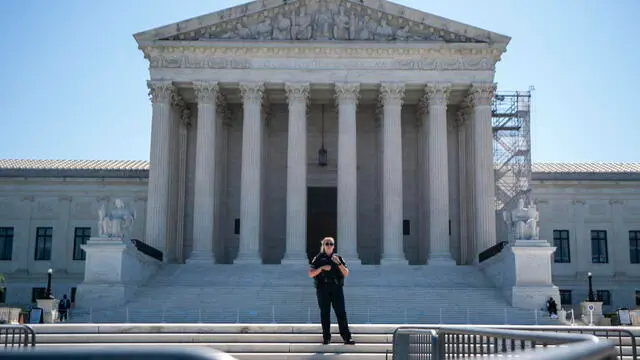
[322, 217]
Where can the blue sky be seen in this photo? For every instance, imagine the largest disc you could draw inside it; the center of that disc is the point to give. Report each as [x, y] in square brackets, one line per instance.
[73, 80]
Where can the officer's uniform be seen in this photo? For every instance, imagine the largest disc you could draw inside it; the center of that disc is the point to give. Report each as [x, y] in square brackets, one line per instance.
[329, 292]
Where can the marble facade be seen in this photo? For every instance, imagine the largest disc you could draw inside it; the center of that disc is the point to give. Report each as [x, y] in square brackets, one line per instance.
[251, 84]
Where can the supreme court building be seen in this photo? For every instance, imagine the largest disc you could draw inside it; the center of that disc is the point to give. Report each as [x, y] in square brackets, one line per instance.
[275, 124]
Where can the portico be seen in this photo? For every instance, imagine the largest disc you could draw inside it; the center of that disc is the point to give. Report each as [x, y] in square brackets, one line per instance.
[239, 114]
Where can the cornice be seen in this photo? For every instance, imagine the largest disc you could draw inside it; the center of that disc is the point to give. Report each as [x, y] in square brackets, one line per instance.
[233, 55]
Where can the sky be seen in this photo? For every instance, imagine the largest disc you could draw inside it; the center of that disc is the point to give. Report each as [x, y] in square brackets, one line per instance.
[74, 81]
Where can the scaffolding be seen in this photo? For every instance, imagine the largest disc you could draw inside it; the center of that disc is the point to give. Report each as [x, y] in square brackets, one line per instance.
[511, 116]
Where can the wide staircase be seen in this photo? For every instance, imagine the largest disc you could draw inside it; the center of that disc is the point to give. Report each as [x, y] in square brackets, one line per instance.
[283, 294]
[269, 341]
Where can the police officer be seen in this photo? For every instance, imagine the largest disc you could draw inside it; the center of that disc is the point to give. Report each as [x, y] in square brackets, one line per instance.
[329, 270]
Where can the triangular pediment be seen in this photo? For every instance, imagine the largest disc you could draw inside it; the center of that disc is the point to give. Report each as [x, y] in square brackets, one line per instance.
[322, 20]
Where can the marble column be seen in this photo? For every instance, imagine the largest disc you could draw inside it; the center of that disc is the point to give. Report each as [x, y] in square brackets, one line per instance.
[183, 132]
[205, 173]
[392, 97]
[469, 181]
[250, 178]
[347, 95]
[162, 92]
[437, 96]
[296, 222]
[484, 184]
[423, 165]
[462, 186]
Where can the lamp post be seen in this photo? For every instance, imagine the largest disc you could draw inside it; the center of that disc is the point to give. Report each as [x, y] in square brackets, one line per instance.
[48, 292]
[591, 297]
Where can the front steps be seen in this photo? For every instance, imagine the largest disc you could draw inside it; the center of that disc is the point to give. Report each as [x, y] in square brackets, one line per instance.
[245, 341]
[282, 294]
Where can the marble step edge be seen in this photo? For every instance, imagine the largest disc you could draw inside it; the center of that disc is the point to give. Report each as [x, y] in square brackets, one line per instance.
[248, 328]
[253, 347]
[48, 338]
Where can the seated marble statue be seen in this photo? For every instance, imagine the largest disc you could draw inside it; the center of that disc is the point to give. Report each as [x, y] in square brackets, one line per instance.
[115, 222]
[523, 221]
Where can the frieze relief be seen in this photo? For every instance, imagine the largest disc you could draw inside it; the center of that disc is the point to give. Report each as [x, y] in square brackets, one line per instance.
[340, 20]
[267, 58]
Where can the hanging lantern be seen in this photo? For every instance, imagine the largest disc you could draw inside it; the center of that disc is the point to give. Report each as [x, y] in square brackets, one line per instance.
[322, 153]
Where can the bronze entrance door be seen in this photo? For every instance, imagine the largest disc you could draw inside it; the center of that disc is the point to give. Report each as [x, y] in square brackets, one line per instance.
[322, 217]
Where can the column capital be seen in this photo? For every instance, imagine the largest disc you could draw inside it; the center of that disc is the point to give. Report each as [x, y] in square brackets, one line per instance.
[206, 91]
[481, 94]
[423, 106]
[347, 92]
[297, 92]
[252, 92]
[437, 94]
[392, 93]
[161, 91]
[461, 118]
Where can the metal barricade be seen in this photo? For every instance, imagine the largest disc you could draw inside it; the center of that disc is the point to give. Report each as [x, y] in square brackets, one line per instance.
[13, 336]
[415, 343]
[625, 340]
[459, 342]
[468, 342]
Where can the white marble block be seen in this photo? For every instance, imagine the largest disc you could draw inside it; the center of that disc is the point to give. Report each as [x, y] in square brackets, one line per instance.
[114, 269]
[522, 271]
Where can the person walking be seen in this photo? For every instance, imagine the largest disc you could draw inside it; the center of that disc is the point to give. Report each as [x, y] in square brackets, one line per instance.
[329, 270]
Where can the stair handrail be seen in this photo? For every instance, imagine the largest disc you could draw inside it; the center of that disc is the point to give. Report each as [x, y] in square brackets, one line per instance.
[492, 251]
[147, 249]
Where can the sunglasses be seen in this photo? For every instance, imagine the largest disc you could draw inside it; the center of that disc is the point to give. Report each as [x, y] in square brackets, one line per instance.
[328, 244]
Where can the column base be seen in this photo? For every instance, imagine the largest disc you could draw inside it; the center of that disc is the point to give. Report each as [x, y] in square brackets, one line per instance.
[394, 261]
[247, 259]
[201, 257]
[295, 259]
[441, 260]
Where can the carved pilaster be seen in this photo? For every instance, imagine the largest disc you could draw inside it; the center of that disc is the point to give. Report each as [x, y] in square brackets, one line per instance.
[161, 91]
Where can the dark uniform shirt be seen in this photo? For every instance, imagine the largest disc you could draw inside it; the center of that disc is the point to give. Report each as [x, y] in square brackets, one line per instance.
[333, 276]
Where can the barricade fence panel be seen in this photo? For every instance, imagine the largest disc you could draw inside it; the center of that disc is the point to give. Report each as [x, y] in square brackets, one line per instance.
[468, 342]
[13, 336]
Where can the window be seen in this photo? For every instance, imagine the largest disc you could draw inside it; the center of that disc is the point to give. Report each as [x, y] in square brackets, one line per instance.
[561, 242]
[38, 293]
[634, 246]
[637, 297]
[604, 296]
[44, 237]
[599, 254]
[80, 237]
[6, 243]
[72, 297]
[565, 297]
[3, 295]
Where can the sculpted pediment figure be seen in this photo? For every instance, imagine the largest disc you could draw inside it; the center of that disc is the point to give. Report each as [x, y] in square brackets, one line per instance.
[322, 20]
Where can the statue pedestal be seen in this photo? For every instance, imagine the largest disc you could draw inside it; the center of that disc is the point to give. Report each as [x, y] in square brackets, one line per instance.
[596, 307]
[49, 310]
[522, 271]
[114, 269]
